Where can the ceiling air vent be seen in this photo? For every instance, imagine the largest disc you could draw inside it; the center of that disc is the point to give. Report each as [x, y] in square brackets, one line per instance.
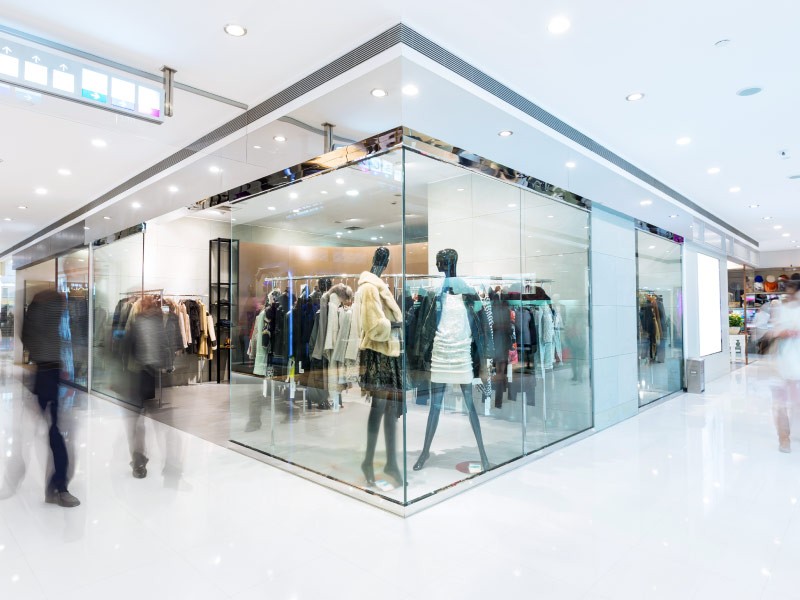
[354, 228]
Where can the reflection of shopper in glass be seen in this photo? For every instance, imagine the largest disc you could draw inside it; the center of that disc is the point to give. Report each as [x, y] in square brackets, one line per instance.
[381, 320]
[785, 337]
[40, 335]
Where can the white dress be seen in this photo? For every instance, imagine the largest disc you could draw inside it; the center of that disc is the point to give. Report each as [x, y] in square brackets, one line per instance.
[451, 357]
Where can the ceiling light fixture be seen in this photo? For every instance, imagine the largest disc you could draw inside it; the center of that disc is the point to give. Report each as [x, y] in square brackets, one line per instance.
[214, 169]
[107, 218]
[279, 138]
[136, 204]
[379, 93]
[558, 25]
[173, 189]
[373, 238]
[98, 143]
[459, 189]
[754, 205]
[235, 30]
[651, 247]
[352, 193]
[410, 89]
[86, 228]
[505, 133]
[512, 205]
[270, 208]
[22, 207]
[634, 97]
[570, 165]
[683, 141]
[776, 227]
[256, 147]
[749, 91]
[41, 191]
[646, 202]
[766, 218]
[340, 181]
[382, 226]
[550, 216]
[713, 170]
[785, 234]
[674, 216]
[293, 195]
[64, 172]
[6, 219]
[323, 192]
[735, 189]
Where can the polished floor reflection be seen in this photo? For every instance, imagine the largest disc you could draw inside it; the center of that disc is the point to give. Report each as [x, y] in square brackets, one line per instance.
[692, 499]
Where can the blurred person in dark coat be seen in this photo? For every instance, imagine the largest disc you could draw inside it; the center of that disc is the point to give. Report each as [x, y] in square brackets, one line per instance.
[40, 335]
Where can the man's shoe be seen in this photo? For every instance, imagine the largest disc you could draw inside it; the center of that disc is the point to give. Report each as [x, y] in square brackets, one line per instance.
[64, 499]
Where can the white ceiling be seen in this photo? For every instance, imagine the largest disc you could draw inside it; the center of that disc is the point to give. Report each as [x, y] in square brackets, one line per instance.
[665, 50]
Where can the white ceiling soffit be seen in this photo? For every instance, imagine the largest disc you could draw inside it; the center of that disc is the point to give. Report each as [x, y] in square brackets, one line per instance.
[677, 80]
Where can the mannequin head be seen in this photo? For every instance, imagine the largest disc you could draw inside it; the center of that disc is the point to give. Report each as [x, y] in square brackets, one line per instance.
[325, 284]
[446, 262]
[380, 261]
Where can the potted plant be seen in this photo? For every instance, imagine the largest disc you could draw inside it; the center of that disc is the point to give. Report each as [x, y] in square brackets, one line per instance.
[735, 323]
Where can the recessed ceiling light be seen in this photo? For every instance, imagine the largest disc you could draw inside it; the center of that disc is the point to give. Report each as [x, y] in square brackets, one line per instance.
[6, 219]
[173, 188]
[651, 247]
[754, 205]
[558, 25]
[41, 191]
[98, 143]
[683, 141]
[511, 205]
[293, 195]
[570, 165]
[646, 202]
[136, 204]
[505, 133]
[279, 138]
[373, 238]
[634, 96]
[295, 210]
[550, 216]
[352, 193]
[379, 93]
[214, 169]
[107, 218]
[256, 147]
[86, 228]
[410, 89]
[270, 208]
[459, 189]
[735, 189]
[338, 233]
[713, 170]
[749, 91]
[785, 234]
[766, 218]
[340, 181]
[674, 216]
[232, 219]
[323, 192]
[22, 207]
[64, 172]
[776, 227]
[235, 30]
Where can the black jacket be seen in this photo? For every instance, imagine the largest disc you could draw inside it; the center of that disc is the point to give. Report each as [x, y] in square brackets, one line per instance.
[427, 322]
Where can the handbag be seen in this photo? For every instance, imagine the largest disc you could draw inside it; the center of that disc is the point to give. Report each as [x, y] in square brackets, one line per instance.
[513, 354]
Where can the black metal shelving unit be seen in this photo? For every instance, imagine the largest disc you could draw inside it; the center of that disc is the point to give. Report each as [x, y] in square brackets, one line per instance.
[223, 296]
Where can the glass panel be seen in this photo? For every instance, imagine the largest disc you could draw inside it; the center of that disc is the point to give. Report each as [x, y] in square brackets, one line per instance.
[757, 315]
[556, 301]
[32, 280]
[736, 312]
[116, 285]
[73, 282]
[7, 317]
[660, 316]
[301, 391]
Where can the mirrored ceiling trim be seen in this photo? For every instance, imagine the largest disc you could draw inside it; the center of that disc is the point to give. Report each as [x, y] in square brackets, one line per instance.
[659, 231]
[115, 237]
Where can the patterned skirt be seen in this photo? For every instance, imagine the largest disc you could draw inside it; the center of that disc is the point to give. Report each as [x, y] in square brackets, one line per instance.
[380, 373]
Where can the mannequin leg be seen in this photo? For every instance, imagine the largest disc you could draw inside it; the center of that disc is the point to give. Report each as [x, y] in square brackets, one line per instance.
[390, 435]
[437, 394]
[466, 389]
[373, 427]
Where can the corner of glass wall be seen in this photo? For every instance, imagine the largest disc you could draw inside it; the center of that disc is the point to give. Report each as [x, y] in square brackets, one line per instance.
[659, 272]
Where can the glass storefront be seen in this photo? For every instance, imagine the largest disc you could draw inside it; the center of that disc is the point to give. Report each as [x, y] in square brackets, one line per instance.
[660, 310]
[72, 280]
[408, 320]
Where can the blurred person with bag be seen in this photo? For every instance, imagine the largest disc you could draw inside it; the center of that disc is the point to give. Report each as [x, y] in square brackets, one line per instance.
[784, 340]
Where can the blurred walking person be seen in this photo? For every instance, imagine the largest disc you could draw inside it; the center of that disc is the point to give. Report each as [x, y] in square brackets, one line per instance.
[41, 337]
[784, 339]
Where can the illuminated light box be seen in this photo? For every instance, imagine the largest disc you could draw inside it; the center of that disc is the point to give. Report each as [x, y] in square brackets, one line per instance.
[94, 85]
[149, 102]
[64, 81]
[35, 73]
[123, 94]
[9, 66]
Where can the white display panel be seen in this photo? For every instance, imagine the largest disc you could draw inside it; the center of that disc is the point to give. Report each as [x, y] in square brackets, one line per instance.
[709, 305]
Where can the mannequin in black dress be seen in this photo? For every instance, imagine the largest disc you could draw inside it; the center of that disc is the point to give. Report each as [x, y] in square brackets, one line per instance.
[386, 402]
[446, 262]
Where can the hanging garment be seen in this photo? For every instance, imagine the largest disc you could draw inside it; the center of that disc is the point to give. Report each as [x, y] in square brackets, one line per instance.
[558, 329]
[259, 344]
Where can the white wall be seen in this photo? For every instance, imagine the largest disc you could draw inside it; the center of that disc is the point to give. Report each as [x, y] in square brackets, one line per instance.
[716, 365]
[614, 318]
[782, 258]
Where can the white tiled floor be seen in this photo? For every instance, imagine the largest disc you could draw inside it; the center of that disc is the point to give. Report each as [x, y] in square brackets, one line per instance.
[689, 500]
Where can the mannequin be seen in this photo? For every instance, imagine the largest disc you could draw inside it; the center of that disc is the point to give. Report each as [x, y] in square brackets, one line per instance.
[381, 319]
[452, 350]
